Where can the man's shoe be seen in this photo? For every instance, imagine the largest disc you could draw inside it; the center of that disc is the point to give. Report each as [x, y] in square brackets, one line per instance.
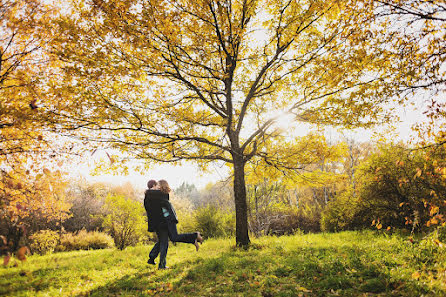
[151, 261]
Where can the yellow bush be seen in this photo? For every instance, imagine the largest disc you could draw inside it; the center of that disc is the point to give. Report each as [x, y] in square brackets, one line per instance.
[84, 240]
[44, 241]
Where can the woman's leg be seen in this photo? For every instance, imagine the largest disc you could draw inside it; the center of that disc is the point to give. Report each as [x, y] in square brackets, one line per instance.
[183, 237]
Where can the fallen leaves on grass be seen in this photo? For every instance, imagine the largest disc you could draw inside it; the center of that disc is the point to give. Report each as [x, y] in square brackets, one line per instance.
[166, 287]
[302, 289]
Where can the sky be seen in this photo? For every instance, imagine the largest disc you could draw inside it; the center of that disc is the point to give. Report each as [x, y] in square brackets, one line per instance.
[175, 175]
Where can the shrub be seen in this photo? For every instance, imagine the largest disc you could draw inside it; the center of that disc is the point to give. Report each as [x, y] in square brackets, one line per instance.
[86, 206]
[274, 210]
[441, 233]
[340, 212]
[212, 222]
[124, 221]
[396, 185]
[44, 241]
[282, 222]
[186, 223]
[84, 240]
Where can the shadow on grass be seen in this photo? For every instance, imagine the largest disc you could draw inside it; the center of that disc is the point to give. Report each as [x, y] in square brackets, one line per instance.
[302, 272]
[19, 282]
[24, 280]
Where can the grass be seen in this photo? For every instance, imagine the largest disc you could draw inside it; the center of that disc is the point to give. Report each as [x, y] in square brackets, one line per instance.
[341, 264]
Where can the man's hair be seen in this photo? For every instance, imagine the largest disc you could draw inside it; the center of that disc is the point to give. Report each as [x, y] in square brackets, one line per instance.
[151, 183]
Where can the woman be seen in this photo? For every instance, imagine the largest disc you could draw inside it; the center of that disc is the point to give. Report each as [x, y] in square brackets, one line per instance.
[158, 204]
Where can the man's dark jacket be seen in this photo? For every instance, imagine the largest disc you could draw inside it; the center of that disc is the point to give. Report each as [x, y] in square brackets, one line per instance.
[154, 201]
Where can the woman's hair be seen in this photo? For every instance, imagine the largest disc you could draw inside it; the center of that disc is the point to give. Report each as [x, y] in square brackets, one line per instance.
[164, 186]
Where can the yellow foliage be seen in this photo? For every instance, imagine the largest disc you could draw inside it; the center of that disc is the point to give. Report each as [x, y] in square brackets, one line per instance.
[23, 66]
[23, 194]
[189, 80]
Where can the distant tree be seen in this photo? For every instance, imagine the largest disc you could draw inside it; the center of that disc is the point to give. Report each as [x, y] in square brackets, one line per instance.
[281, 204]
[264, 204]
[188, 191]
[357, 153]
[87, 200]
[128, 190]
[219, 194]
[86, 209]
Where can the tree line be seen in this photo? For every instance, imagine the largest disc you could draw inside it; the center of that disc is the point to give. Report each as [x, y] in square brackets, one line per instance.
[382, 186]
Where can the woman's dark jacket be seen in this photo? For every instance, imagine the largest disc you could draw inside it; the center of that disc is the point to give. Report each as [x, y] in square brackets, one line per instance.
[154, 201]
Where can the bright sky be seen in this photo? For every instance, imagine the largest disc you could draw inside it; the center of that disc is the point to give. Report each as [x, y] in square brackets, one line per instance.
[175, 175]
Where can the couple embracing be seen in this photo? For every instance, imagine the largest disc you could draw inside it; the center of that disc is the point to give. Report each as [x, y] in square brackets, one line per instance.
[163, 220]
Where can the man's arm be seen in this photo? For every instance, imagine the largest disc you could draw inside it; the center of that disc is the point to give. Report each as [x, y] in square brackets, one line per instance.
[150, 223]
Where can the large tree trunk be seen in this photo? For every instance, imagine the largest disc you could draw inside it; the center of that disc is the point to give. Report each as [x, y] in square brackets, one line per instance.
[241, 208]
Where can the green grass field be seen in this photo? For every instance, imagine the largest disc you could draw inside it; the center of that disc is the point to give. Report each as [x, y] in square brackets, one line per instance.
[341, 264]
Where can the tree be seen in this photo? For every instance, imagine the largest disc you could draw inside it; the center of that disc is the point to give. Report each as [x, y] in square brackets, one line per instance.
[412, 34]
[209, 80]
[24, 143]
[189, 192]
[28, 203]
[87, 202]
